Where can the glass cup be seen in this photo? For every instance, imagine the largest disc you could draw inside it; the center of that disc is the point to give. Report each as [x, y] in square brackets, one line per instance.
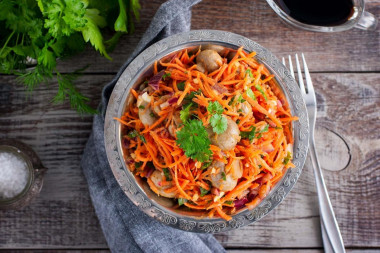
[359, 19]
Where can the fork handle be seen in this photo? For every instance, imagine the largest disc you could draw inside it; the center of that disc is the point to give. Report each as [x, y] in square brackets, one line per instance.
[326, 211]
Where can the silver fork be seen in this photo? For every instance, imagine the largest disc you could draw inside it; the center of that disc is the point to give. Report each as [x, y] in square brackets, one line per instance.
[332, 239]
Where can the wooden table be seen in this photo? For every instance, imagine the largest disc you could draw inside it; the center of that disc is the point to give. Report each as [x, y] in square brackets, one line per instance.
[346, 73]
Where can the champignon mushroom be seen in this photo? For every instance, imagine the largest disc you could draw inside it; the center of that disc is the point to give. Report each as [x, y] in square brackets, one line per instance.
[228, 139]
[219, 49]
[225, 182]
[208, 60]
[145, 111]
[156, 178]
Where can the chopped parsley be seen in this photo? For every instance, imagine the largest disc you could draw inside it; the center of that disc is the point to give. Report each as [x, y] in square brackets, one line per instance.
[224, 176]
[166, 75]
[250, 135]
[203, 191]
[193, 140]
[167, 174]
[184, 114]
[189, 97]
[141, 107]
[134, 134]
[181, 201]
[229, 202]
[181, 86]
[152, 115]
[240, 99]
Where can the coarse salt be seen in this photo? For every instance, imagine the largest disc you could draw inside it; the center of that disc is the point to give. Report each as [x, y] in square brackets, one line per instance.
[13, 175]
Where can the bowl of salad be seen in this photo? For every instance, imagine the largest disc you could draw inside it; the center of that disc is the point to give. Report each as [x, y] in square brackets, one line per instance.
[206, 131]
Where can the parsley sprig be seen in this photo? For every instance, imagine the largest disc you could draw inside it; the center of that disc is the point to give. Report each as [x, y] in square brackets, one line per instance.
[194, 141]
[34, 34]
[217, 120]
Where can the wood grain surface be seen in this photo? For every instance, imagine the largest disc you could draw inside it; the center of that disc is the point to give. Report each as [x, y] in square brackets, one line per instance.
[346, 76]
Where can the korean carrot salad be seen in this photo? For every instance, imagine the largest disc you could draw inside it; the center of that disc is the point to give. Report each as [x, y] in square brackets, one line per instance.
[207, 130]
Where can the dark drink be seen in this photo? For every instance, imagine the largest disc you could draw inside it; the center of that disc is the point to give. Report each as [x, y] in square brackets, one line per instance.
[318, 12]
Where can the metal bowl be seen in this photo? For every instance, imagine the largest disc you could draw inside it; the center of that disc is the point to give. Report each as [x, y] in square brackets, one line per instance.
[137, 189]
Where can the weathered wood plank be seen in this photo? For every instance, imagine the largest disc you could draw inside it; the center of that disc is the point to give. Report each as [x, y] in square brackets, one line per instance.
[62, 216]
[353, 50]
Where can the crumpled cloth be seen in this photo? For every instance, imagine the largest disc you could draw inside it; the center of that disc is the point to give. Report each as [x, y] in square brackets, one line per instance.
[125, 227]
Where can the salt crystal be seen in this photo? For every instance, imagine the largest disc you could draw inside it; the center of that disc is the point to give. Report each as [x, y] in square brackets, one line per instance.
[13, 175]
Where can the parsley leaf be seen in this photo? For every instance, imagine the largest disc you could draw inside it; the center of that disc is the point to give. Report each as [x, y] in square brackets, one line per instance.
[217, 120]
[215, 108]
[218, 123]
[184, 114]
[203, 191]
[287, 158]
[224, 176]
[189, 97]
[240, 99]
[249, 135]
[134, 134]
[229, 202]
[166, 75]
[138, 164]
[181, 201]
[193, 139]
[181, 86]
[167, 174]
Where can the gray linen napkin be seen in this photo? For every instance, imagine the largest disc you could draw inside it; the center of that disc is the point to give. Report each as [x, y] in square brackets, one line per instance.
[125, 227]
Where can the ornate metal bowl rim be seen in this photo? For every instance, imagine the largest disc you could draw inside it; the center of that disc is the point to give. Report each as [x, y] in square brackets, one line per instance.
[116, 106]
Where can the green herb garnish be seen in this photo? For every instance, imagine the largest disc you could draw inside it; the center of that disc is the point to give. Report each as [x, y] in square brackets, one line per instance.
[217, 120]
[41, 32]
[203, 191]
[167, 174]
[193, 140]
[224, 176]
[181, 86]
[184, 114]
[141, 107]
[166, 75]
[229, 202]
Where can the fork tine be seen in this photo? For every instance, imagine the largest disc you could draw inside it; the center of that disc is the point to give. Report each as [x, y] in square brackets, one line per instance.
[291, 67]
[300, 79]
[309, 83]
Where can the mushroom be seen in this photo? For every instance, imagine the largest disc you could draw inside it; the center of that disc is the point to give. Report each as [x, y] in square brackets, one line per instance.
[228, 139]
[208, 60]
[225, 182]
[156, 178]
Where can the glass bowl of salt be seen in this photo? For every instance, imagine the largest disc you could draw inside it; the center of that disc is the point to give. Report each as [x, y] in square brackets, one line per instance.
[21, 174]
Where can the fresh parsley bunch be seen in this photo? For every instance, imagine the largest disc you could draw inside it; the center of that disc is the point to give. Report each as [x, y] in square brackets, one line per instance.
[35, 33]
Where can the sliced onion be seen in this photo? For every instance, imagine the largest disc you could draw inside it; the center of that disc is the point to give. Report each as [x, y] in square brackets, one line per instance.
[154, 81]
[149, 171]
[279, 104]
[219, 88]
[215, 191]
[240, 202]
[172, 100]
[267, 148]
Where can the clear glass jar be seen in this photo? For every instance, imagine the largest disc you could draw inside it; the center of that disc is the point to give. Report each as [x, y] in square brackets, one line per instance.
[35, 170]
